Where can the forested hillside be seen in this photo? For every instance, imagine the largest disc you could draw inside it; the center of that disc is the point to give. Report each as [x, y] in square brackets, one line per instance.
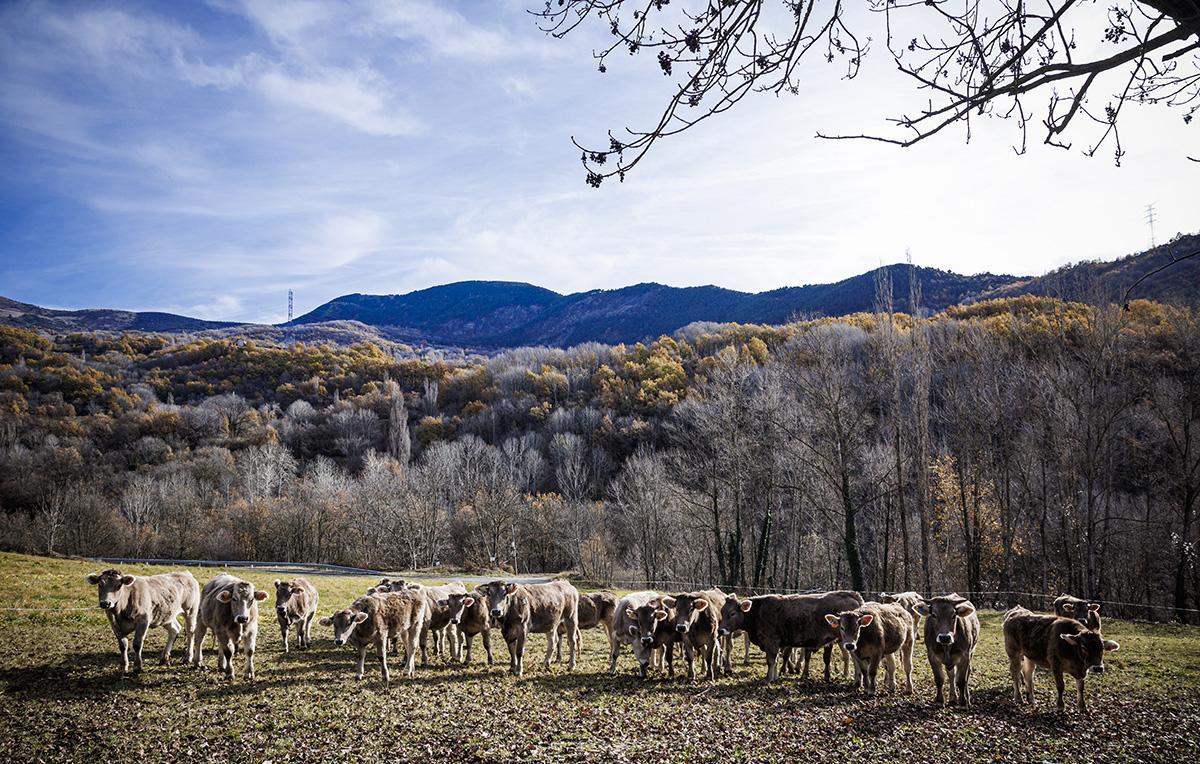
[1020, 444]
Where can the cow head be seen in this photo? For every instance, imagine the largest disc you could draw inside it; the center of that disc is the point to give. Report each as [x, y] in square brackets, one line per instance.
[849, 625]
[497, 595]
[944, 613]
[645, 621]
[733, 614]
[688, 608]
[344, 623]
[242, 600]
[1089, 647]
[284, 592]
[109, 584]
[456, 605]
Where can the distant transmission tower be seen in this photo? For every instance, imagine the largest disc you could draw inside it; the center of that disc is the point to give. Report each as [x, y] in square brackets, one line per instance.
[289, 306]
[1150, 222]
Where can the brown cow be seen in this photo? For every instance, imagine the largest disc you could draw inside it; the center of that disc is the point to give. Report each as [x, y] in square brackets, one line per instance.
[907, 600]
[697, 619]
[136, 604]
[228, 606]
[438, 621]
[468, 614]
[376, 618]
[595, 609]
[951, 634]
[1060, 645]
[777, 622]
[523, 609]
[875, 632]
[641, 621]
[296, 604]
[1087, 613]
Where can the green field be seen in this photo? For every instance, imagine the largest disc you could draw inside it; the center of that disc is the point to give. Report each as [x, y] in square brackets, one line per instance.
[64, 700]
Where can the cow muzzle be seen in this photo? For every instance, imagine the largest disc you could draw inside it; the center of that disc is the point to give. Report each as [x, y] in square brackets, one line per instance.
[105, 604]
[647, 640]
[496, 612]
[945, 639]
[850, 646]
[339, 642]
[282, 611]
[681, 628]
[241, 619]
[1097, 669]
[723, 632]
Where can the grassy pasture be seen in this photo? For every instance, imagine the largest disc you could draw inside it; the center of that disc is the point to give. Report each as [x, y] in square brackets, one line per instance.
[64, 700]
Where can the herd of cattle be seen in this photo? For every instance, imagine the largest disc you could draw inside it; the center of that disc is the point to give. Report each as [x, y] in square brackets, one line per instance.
[789, 629]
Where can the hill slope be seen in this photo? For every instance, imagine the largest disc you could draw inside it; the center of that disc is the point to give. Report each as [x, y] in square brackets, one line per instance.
[508, 314]
[29, 316]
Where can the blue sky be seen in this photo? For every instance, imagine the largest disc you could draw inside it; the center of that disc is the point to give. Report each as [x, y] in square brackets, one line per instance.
[202, 158]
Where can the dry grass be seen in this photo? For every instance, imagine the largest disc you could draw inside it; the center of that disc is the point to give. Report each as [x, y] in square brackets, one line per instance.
[63, 700]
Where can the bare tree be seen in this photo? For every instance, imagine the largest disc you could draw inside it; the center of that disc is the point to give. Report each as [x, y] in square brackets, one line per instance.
[977, 58]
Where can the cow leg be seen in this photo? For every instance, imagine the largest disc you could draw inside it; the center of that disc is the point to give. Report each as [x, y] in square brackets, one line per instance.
[362, 662]
[558, 650]
[228, 650]
[1014, 672]
[552, 643]
[283, 632]
[381, 647]
[411, 636]
[487, 645]
[714, 657]
[889, 663]
[906, 664]
[573, 633]
[689, 654]
[251, 644]
[745, 648]
[828, 656]
[614, 651]
[1059, 685]
[172, 629]
[521, 638]
[196, 654]
[873, 675]
[139, 637]
[189, 625]
[425, 646]
[961, 680]
[669, 653]
[1079, 689]
[772, 664]
[939, 680]
[1027, 670]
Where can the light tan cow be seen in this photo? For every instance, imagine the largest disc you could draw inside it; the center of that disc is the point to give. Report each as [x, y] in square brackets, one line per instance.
[228, 606]
[908, 601]
[523, 609]
[136, 604]
[374, 620]
[875, 632]
[296, 605]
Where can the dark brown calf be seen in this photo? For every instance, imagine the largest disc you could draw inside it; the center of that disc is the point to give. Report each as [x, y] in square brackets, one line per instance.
[468, 614]
[1059, 645]
[1087, 613]
[777, 622]
[697, 619]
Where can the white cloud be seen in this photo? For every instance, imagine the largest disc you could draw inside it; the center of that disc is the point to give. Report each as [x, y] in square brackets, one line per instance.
[356, 98]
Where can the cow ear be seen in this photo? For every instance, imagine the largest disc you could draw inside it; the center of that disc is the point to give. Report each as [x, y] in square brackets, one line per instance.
[1111, 646]
[964, 609]
[371, 591]
[278, 583]
[832, 620]
[746, 605]
[700, 604]
[923, 609]
[326, 621]
[887, 599]
[93, 578]
[443, 603]
[468, 601]
[660, 615]
[1070, 639]
[360, 617]
[510, 588]
[224, 596]
[629, 613]
[866, 619]
[260, 595]
[1094, 607]
[126, 580]
[668, 601]
[633, 632]
[1068, 607]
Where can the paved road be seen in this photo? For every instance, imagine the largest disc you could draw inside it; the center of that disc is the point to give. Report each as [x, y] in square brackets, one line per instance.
[313, 569]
